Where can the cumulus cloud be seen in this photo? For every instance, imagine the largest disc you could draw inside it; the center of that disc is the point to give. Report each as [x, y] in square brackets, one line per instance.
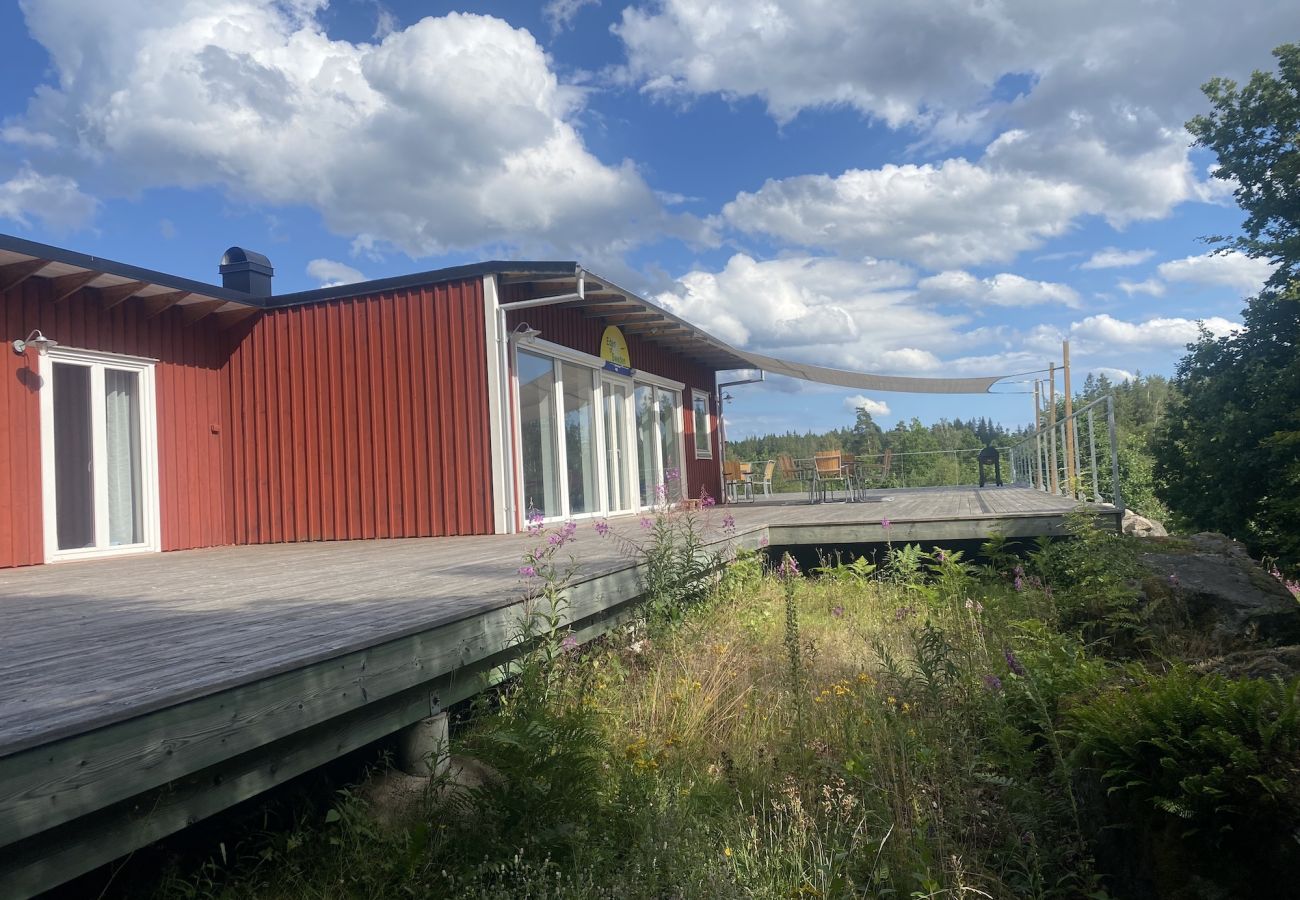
[451, 133]
[1115, 258]
[1074, 113]
[1152, 286]
[331, 273]
[871, 405]
[1231, 270]
[54, 200]
[1101, 331]
[1000, 290]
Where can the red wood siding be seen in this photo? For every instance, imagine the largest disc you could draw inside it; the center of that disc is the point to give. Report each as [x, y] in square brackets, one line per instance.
[365, 417]
[568, 327]
[188, 379]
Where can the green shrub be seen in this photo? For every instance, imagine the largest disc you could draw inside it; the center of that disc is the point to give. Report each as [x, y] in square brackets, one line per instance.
[1211, 762]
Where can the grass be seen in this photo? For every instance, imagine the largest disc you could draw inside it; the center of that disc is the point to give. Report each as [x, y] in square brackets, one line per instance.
[894, 733]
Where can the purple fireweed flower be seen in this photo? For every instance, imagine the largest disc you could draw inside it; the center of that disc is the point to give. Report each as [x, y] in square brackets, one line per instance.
[602, 527]
[647, 523]
[940, 555]
[728, 522]
[706, 500]
[837, 612]
[570, 643]
[1020, 578]
[788, 568]
[903, 612]
[1013, 663]
[672, 474]
[884, 523]
[764, 541]
[528, 571]
[661, 491]
[975, 606]
[992, 683]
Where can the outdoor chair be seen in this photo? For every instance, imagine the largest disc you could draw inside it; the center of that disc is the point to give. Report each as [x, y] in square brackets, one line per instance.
[769, 469]
[792, 471]
[735, 483]
[874, 474]
[829, 470]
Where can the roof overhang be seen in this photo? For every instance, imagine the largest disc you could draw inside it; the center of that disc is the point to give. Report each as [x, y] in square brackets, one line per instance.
[110, 284]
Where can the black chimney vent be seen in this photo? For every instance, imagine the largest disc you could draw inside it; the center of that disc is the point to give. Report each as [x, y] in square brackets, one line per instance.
[246, 271]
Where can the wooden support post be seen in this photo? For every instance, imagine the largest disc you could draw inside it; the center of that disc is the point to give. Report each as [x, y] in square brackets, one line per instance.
[1038, 441]
[422, 748]
[1051, 419]
[1071, 474]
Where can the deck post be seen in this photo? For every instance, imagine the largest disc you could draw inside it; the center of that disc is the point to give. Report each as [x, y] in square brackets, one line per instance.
[1071, 473]
[1052, 460]
[422, 748]
[1118, 499]
[1092, 451]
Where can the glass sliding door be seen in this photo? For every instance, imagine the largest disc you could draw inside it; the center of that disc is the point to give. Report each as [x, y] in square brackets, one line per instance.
[671, 475]
[618, 456]
[647, 443]
[580, 438]
[537, 435]
[74, 466]
[99, 443]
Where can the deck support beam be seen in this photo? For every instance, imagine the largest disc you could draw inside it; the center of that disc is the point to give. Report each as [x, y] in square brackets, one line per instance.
[422, 748]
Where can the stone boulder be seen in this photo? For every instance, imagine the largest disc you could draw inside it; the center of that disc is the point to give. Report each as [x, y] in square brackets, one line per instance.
[1141, 526]
[1212, 586]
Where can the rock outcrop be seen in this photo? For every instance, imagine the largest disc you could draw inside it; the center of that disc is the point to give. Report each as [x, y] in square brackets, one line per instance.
[1216, 589]
[1141, 526]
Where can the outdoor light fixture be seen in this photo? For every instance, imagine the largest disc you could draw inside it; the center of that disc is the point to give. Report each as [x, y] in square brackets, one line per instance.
[525, 333]
[37, 340]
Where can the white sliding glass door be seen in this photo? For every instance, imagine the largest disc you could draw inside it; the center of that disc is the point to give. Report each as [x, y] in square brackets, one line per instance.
[616, 396]
[99, 454]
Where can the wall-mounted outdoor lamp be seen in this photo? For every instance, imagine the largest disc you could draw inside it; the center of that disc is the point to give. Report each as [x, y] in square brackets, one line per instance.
[525, 333]
[37, 340]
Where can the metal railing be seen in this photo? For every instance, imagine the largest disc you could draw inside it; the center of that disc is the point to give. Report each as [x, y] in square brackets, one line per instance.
[1076, 457]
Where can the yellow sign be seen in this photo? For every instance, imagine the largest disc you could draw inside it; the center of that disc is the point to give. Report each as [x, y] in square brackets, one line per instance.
[613, 349]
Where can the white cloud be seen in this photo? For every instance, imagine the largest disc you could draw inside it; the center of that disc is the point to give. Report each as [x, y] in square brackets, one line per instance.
[871, 405]
[560, 13]
[1115, 258]
[1231, 270]
[451, 133]
[955, 213]
[1075, 113]
[1115, 375]
[331, 273]
[1005, 289]
[1153, 286]
[1106, 332]
[54, 200]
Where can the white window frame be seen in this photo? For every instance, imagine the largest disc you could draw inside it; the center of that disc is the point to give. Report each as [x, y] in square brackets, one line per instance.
[665, 384]
[150, 506]
[698, 396]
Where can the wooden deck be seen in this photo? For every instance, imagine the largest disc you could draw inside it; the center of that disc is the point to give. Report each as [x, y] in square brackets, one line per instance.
[143, 693]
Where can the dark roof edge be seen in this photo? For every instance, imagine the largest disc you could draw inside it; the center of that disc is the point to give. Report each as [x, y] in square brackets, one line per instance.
[435, 276]
[124, 270]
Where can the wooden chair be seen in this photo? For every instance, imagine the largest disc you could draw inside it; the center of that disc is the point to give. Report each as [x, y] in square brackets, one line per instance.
[769, 469]
[829, 470]
[876, 472]
[734, 481]
[792, 472]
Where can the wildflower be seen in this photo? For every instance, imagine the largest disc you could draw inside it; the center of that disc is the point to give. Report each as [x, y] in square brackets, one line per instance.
[728, 522]
[528, 571]
[1013, 663]
[602, 528]
[570, 643]
[672, 474]
[535, 520]
[1020, 578]
[706, 500]
[788, 568]
[992, 683]
[647, 523]
[837, 612]
[941, 555]
[903, 612]
[661, 491]
[763, 541]
[726, 851]
[885, 523]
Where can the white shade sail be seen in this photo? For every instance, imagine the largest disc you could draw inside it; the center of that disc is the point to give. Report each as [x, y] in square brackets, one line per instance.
[868, 382]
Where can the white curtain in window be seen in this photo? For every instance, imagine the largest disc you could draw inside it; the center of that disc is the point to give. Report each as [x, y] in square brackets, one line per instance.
[122, 440]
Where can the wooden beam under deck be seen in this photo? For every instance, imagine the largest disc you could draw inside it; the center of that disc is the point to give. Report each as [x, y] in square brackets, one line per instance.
[146, 693]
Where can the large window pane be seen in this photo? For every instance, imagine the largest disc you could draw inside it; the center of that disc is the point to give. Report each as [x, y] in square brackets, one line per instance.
[537, 435]
[616, 446]
[700, 408]
[74, 473]
[672, 475]
[646, 442]
[122, 444]
[580, 438]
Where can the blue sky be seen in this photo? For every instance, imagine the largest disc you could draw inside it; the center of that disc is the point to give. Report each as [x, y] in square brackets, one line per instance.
[933, 188]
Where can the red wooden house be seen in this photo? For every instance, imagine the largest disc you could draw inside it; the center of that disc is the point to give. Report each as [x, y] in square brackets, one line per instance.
[141, 412]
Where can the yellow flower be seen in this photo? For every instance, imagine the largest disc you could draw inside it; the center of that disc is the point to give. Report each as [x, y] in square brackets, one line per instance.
[892, 701]
[726, 851]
